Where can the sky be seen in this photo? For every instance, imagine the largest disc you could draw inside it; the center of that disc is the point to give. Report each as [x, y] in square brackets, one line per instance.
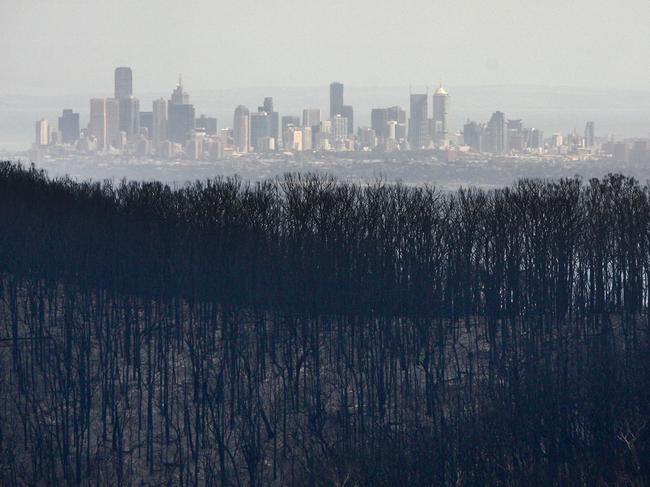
[72, 46]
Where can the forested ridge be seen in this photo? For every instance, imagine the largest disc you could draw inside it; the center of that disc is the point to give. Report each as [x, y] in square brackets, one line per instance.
[306, 331]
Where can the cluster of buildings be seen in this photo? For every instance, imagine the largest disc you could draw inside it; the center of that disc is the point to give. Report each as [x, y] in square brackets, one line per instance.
[172, 130]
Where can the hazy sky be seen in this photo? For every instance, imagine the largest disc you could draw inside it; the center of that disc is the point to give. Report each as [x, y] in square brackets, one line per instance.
[72, 46]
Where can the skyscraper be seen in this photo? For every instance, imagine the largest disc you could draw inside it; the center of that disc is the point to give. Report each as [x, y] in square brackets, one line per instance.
[440, 115]
[348, 112]
[42, 133]
[419, 122]
[273, 115]
[473, 135]
[69, 126]
[311, 117]
[112, 122]
[260, 123]
[123, 83]
[496, 133]
[336, 98]
[398, 114]
[339, 127]
[379, 122]
[146, 122]
[590, 134]
[241, 129]
[288, 121]
[180, 115]
[129, 116]
[159, 128]
[207, 124]
[97, 123]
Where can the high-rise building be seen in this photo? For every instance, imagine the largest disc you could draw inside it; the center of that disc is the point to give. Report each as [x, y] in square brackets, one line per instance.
[440, 115]
[69, 126]
[419, 122]
[130, 116]
[241, 129]
[42, 133]
[339, 127]
[206, 124]
[311, 117]
[113, 123]
[348, 112]
[146, 122]
[123, 83]
[398, 114]
[159, 127]
[590, 134]
[536, 139]
[104, 122]
[260, 123]
[496, 133]
[379, 122]
[336, 98]
[367, 138]
[288, 121]
[273, 115]
[180, 115]
[473, 135]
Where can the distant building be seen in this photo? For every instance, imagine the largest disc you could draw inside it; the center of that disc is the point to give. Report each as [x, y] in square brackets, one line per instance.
[42, 133]
[311, 117]
[590, 134]
[440, 115]
[536, 139]
[260, 123]
[496, 133]
[180, 115]
[105, 122]
[367, 137]
[621, 152]
[288, 121]
[418, 122]
[69, 126]
[473, 135]
[123, 83]
[379, 122]
[241, 129]
[273, 116]
[339, 127]
[146, 123]
[159, 126]
[206, 124]
[129, 116]
[348, 112]
[336, 98]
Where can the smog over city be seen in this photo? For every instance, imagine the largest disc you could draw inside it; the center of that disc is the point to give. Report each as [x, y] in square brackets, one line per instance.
[324, 243]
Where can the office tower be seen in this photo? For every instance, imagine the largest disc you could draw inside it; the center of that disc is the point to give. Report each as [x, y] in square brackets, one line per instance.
[273, 115]
[113, 137]
[42, 133]
[473, 135]
[339, 127]
[97, 123]
[367, 138]
[336, 99]
[496, 133]
[206, 124]
[398, 114]
[146, 122]
[69, 126]
[515, 135]
[129, 116]
[311, 117]
[418, 122]
[590, 134]
[159, 128]
[536, 139]
[307, 138]
[123, 83]
[288, 121]
[180, 115]
[241, 129]
[348, 112]
[260, 123]
[379, 122]
[440, 115]
[323, 135]
[294, 138]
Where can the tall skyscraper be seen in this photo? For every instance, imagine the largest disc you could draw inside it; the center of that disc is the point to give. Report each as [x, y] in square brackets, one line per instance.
[348, 112]
[146, 122]
[496, 133]
[398, 114]
[42, 133]
[112, 122]
[273, 116]
[69, 126]
[180, 115]
[419, 122]
[241, 129]
[123, 83]
[440, 115]
[336, 98]
[339, 127]
[129, 116]
[288, 121]
[159, 128]
[590, 134]
[97, 123]
[207, 124]
[473, 135]
[260, 123]
[311, 117]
